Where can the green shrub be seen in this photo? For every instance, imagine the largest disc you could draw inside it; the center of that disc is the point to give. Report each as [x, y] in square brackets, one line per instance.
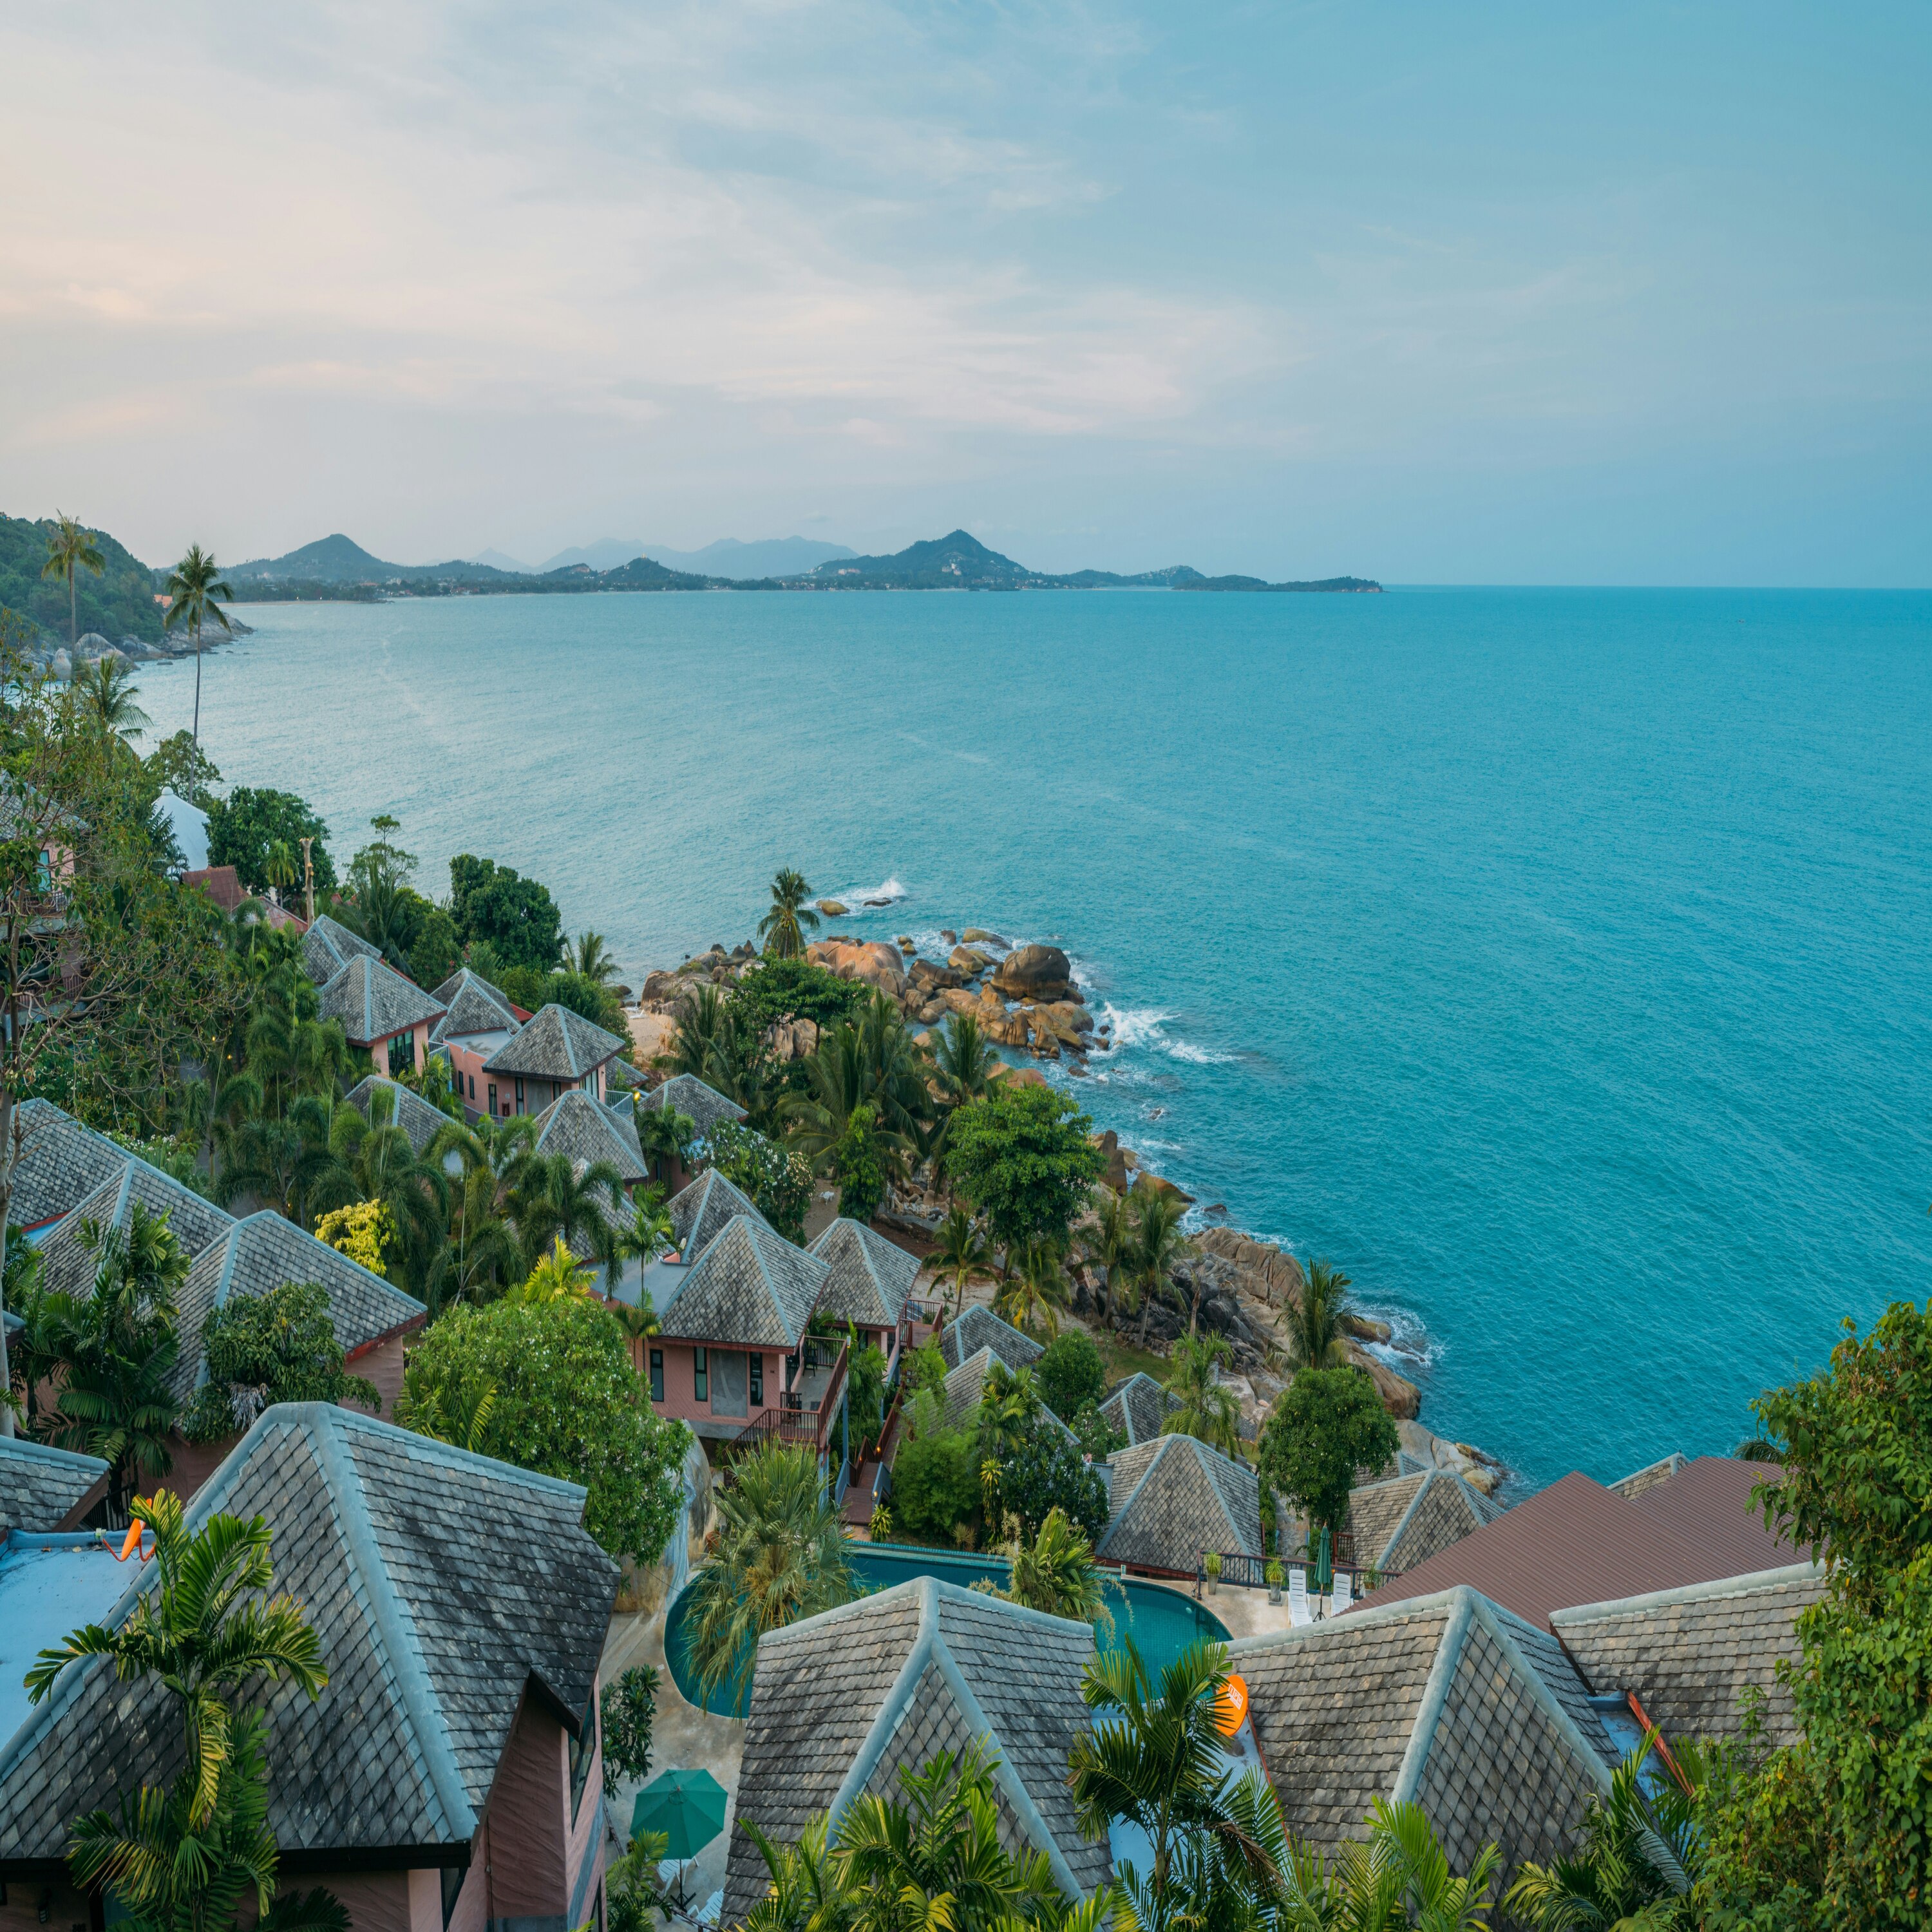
[629, 1706]
[1326, 1424]
[1047, 1472]
[936, 1483]
[1071, 1374]
[778, 1181]
[266, 1348]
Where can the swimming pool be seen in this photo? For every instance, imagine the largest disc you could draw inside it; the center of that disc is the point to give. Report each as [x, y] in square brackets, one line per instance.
[1161, 1622]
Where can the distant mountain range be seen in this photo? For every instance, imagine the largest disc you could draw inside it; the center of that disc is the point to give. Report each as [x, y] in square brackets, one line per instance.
[334, 566]
[775, 557]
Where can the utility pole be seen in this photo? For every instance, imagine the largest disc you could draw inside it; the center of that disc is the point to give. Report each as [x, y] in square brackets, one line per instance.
[308, 876]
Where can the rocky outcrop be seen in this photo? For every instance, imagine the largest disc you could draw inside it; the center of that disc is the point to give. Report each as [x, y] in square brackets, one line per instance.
[1018, 1076]
[871, 960]
[969, 961]
[978, 935]
[930, 978]
[831, 909]
[1035, 972]
[1277, 1275]
[1114, 1175]
[659, 986]
[792, 1040]
[1152, 1184]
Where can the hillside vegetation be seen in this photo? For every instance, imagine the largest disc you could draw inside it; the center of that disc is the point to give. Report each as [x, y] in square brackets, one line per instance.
[119, 603]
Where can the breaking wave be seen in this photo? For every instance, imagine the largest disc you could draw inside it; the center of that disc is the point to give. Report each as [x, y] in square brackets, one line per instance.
[1144, 1027]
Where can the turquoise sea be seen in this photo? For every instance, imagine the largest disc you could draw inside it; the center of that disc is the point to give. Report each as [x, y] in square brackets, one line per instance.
[1558, 963]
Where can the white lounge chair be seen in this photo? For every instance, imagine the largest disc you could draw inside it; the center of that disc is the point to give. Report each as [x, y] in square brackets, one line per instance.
[1298, 1611]
[1340, 1600]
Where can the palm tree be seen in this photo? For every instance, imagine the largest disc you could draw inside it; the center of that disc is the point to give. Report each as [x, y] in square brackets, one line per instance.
[781, 928]
[839, 1078]
[1207, 1408]
[1056, 1573]
[106, 693]
[1111, 1247]
[278, 866]
[1034, 1295]
[558, 1276]
[961, 1252]
[372, 1160]
[1314, 1330]
[193, 586]
[1400, 1878]
[590, 959]
[780, 1556]
[963, 1061]
[664, 1135]
[807, 1893]
[697, 1023]
[555, 1199]
[1158, 1244]
[71, 548]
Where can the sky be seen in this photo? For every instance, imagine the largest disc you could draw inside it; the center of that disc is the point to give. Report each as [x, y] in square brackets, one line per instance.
[1426, 292]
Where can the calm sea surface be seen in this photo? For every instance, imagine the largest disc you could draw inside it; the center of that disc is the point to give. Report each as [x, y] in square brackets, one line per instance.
[1559, 964]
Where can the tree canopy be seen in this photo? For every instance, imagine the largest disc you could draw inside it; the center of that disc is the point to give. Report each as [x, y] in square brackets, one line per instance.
[263, 1349]
[1021, 1156]
[1326, 1424]
[1071, 1374]
[243, 827]
[517, 916]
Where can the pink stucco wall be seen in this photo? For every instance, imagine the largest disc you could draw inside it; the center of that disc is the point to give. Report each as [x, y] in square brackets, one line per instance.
[678, 1382]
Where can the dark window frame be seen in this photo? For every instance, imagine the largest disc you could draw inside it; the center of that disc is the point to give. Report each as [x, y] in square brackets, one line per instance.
[657, 1375]
[700, 1376]
[757, 1373]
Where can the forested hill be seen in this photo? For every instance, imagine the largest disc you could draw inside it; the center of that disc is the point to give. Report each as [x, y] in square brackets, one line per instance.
[119, 603]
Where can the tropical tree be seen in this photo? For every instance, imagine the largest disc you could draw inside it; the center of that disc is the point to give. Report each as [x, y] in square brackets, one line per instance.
[193, 586]
[71, 548]
[590, 959]
[1326, 1425]
[961, 1253]
[963, 1060]
[1071, 1375]
[841, 1090]
[1032, 1296]
[104, 695]
[1109, 1244]
[1021, 1156]
[555, 1199]
[1205, 1407]
[780, 1556]
[632, 1889]
[1315, 1338]
[1158, 1244]
[783, 928]
[557, 1277]
[1400, 1878]
[280, 869]
[371, 1158]
[1055, 1573]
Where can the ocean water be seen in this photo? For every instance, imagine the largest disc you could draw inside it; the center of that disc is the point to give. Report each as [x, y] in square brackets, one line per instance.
[1555, 962]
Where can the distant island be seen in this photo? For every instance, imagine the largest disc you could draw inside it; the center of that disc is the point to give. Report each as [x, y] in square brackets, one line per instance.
[336, 568]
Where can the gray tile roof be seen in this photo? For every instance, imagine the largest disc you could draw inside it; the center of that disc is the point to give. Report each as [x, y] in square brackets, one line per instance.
[373, 1001]
[871, 1277]
[1174, 1499]
[749, 1287]
[39, 1485]
[328, 945]
[842, 1703]
[1447, 1700]
[443, 1585]
[260, 1254]
[703, 1106]
[979, 1327]
[1688, 1654]
[68, 1266]
[1402, 1522]
[556, 1044]
[1650, 1474]
[410, 1112]
[698, 1213]
[588, 1131]
[471, 1006]
[62, 1163]
[966, 1385]
[1137, 1407]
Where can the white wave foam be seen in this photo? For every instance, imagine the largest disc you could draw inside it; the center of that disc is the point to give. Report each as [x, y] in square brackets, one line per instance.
[856, 895]
[1144, 1027]
[1199, 1056]
[1409, 1345]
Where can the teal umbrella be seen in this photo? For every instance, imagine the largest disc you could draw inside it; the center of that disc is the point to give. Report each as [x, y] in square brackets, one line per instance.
[687, 1807]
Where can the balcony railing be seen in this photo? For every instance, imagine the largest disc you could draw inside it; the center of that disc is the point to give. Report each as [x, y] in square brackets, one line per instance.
[801, 1415]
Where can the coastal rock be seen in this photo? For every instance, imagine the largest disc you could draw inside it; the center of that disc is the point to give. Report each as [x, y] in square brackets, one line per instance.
[1115, 1173]
[1034, 973]
[1481, 1472]
[1400, 1396]
[871, 960]
[965, 959]
[792, 1040]
[932, 1012]
[659, 986]
[951, 937]
[1154, 1184]
[831, 909]
[978, 935]
[924, 973]
[62, 665]
[1018, 1076]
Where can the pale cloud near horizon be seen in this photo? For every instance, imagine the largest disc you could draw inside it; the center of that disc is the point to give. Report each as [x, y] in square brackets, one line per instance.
[447, 275]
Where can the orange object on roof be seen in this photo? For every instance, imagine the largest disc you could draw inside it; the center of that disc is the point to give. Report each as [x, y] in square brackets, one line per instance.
[1230, 1708]
[130, 1543]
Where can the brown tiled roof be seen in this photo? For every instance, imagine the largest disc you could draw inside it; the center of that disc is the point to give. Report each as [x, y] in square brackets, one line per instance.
[749, 1287]
[1689, 1654]
[842, 1702]
[1399, 1524]
[556, 1045]
[870, 1277]
[373, 1001]
[1174, 1499]
[41, 1487]
[220, 883]
[1707, 1502]
[471, 1006]
[1573, 1543]
[444, 1587]
[979, 1327]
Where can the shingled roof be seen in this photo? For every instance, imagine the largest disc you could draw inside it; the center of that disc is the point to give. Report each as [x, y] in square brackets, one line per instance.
[1400, 1523]
[68, 1265]
[870, 1275]
[1687, 1654]
[1447, 1700]
[41, 1488]
[1137, 1407]
[1174, 1499]
[61, 1164]
[703, 1106]
[749, 1288]
[979, 1327]
[443, 1586]
[410, 1112]
[328, 945]
[374, 1002]
[588, 1131]
[698, 1213]
[842, 1702]
[471, 1006]
[260, 1254]
[555, 1044]
[965, 1386]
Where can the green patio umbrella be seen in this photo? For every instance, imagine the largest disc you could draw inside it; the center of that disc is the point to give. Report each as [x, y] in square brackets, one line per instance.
[687, 1807]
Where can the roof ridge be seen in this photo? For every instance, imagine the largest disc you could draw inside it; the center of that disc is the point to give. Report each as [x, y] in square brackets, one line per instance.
[1435, 1694]
[1414, 1503]
[25, 1445]
[1747, 1584]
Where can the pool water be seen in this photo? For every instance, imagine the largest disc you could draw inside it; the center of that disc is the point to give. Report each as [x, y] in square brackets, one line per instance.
[1161, 1622]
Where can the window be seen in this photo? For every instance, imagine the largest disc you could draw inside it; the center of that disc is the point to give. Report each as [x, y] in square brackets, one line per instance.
[520, 1096]
[472, 1087]
[583, 1749]
[402, 1051]
[492, 1098]
[700, 1374]
[657, 1375]
[758, 1381]
[453, 1876]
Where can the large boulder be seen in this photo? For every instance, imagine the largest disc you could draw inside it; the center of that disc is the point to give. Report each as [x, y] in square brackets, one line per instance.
[1034, 973]
[930, 978]
[1154, 1184]
[831, 909]
[871, 960]
[968, 961]
[1018, 1076]
[1115, 1176]
[1400, 1396]
[658, 985]
[978, 935]
[792, 1040]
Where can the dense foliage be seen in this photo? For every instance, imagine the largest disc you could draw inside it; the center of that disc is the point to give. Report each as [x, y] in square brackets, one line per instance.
[629, 1707]
[567, 1403]
[515, 917]
[118, 603]
[1021, 1155]
[1071, 1374]
[777, 1181]
[266, 1348]
[796, 989]
[936, 1483]
[1325, 1425]
[1044, 1472]
[245, 826]
[857, 1163]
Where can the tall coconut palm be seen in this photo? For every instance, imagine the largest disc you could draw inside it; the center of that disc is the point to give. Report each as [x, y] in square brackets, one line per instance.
[783, 928]
[1034, 1294]
[840, 1081]
[780, 1556]
[590, 959]
[1158, 1245]
[700, 1013]
[555, 1198]
[962, 1254]
[371, 1159]
[193, 586]
[1315, 1339]
[71, 548]
[963, 1060]
[1110, 1247]
[1205, 1407]
[104, 691]
[279, 867]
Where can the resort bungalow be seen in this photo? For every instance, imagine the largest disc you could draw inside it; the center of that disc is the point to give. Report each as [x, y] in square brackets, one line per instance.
[386, 1102]
[1173, 1500]
[328, 945]
[43, 1490]
[384, 1014]
[450, 1777]
[555, 1050]
[964, 1389]
[733, 1356]
[1137, 1407]
[478, 1019]
[869, 1281]
[979, 1327]
[1399, 1523]
[703, 1106]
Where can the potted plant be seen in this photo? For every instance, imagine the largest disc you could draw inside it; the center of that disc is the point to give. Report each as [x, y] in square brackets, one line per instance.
[1273, 1574]
[1211, 1563]
[880, 1528]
